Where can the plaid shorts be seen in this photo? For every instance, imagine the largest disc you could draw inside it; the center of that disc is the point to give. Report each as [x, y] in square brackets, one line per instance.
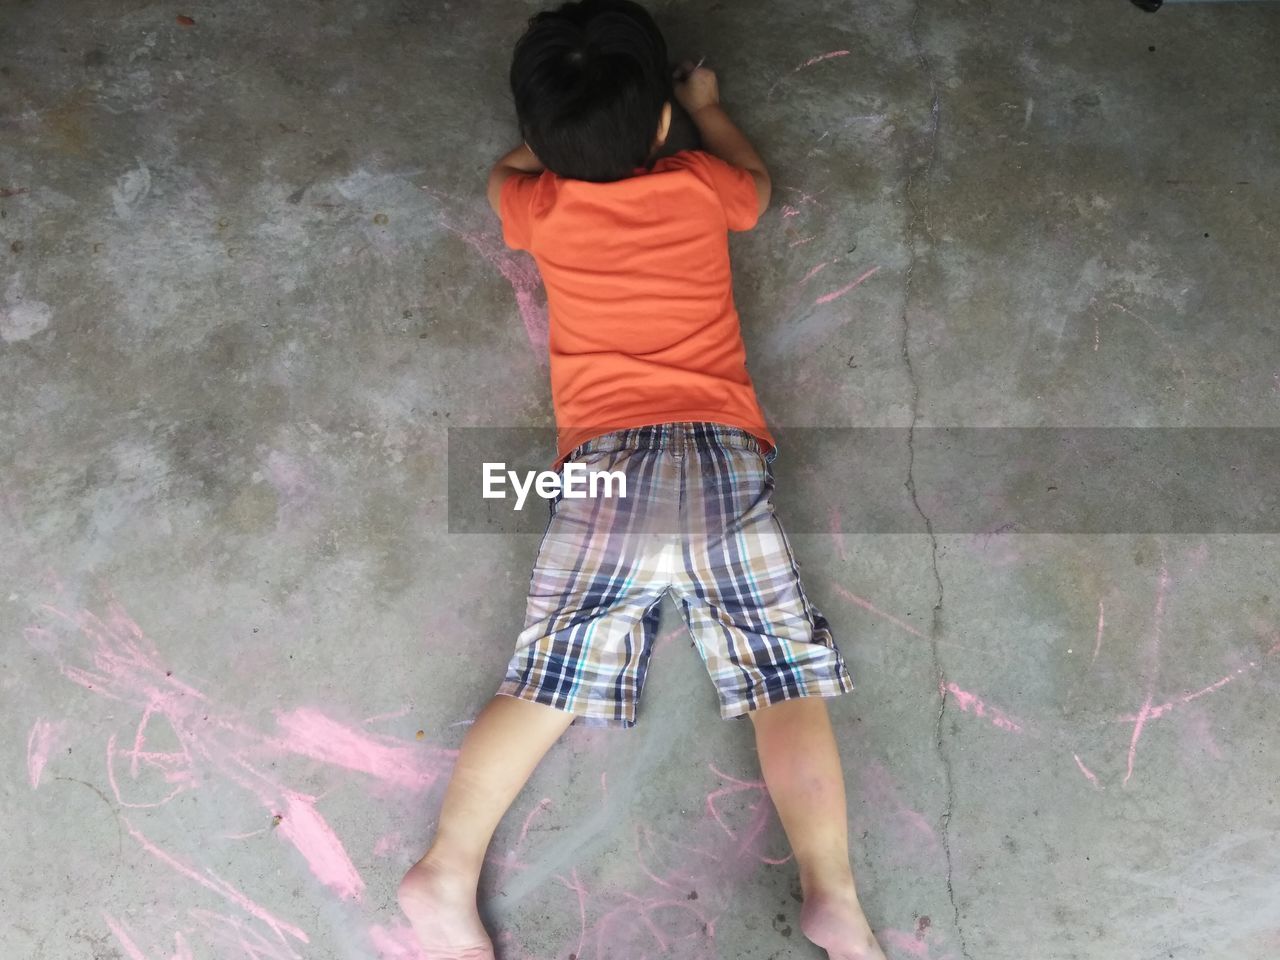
[698, 521]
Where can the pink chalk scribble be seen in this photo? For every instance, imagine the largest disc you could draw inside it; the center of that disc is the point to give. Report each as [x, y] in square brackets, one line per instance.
[833, 524]
[911, 838]
[835, 294]
[761, 807]
[831, 55]
[675, 633]
[1157, 630]
[1158, 711]
[1097, 640]
[391, 762]
[41, 741]
[516, 267]
[1089, 774]
[691, 872]
[303, 826]
[211, 881]
[124, 938]
[519, 270]
[816, 270]
[510, 859]
[971, 703]
[901, 943]
[215, 743]
[819, 58]
[872, 608]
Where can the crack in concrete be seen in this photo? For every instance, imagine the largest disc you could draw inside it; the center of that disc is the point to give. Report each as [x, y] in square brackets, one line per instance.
[922, 172]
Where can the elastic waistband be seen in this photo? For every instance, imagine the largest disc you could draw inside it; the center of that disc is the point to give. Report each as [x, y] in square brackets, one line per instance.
[671, 436]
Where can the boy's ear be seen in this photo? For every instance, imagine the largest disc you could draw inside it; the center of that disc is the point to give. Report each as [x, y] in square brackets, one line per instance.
[664, 125]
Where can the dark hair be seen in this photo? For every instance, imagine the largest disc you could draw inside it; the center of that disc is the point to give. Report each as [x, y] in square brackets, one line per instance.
[590, 80]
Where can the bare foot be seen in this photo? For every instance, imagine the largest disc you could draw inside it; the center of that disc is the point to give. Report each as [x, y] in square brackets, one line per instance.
[836, 923]
[441, 907]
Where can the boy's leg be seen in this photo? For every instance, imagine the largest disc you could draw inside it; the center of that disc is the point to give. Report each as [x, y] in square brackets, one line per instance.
[438, 894]
[772, 657]
[590, 618]
[801, 766]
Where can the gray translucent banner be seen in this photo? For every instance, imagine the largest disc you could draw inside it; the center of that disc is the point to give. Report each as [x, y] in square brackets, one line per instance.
[967, 479]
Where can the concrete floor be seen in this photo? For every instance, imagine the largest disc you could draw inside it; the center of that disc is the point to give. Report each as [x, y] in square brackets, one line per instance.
[249, 281]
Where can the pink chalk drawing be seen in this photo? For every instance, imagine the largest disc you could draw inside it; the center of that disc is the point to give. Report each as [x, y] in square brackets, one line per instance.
[212, 882]
[816, 270]
[303, 826]
[509, 860]
[692, 875]
[1097, 640]
[760, 808]
[833, 54]
[833, 524]
[1157, 629]
[835, 294]
[110, 656]
[214, 742]
[872, 608]
[912, 839]
[517, 268]
[818, 59]
[41, 741]
[1150, 712]
[124, 938]
[1088, 774]
[971, 703]
[672, 635]
[900, 944]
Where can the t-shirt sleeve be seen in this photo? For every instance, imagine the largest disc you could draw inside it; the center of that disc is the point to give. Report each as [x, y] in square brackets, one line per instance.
[736, 189]
[515, 209]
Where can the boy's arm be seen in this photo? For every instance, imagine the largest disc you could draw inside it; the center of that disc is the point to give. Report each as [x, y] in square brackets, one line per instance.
[699, 94]
[520, 160]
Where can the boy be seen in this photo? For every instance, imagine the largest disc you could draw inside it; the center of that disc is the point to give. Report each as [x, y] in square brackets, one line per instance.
[648, 378]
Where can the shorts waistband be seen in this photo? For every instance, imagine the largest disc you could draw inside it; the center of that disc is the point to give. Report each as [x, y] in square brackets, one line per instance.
[699, 436]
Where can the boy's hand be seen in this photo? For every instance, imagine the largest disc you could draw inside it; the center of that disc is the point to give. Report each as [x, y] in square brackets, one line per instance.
[696, 87]
[698, 92]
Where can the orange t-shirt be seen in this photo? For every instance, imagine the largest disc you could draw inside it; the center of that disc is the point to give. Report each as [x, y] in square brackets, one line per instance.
[643, 329]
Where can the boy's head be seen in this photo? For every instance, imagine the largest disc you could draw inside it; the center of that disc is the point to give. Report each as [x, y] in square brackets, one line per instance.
[592, 88]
